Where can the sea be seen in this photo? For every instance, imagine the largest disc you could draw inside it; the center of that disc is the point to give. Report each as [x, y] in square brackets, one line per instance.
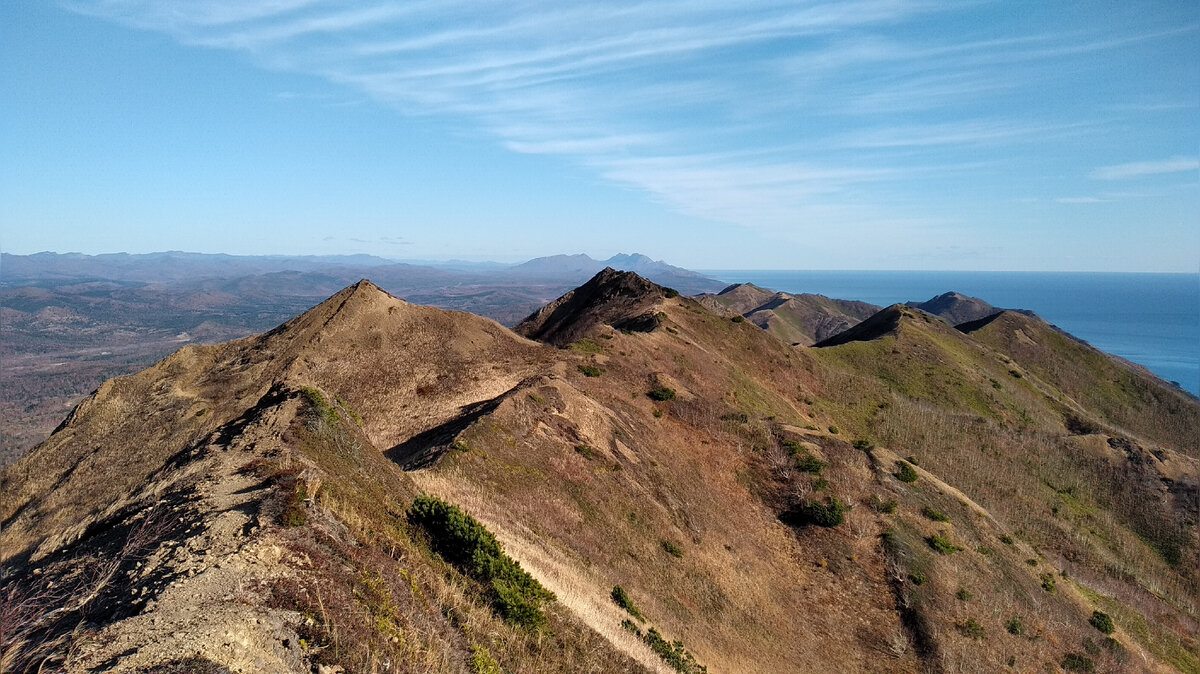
[1150, 319]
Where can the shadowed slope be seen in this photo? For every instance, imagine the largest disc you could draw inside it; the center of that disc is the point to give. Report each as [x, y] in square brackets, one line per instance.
[796, 319]
[621, 299]
[955, 307]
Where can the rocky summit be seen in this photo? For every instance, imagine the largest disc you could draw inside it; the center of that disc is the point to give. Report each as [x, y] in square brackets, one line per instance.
[632, 480]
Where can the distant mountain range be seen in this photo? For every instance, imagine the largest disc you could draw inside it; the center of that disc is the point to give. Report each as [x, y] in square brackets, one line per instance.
[182, 267]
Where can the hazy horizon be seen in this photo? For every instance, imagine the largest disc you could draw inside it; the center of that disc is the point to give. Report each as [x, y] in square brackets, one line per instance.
[596, 257]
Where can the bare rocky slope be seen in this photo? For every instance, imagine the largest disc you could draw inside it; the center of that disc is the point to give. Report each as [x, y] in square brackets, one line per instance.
[671, 489]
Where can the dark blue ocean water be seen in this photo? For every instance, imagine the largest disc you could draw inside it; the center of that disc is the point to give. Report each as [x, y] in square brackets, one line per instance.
[1150, 319]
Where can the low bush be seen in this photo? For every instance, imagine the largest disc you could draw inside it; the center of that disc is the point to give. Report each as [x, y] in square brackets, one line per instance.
[1078, 662]
[833, 430]
[1103, 622]
[905, 472]
[1015, 626]
[482, 661]
[466, 544]
[1048, 583]
[942, 545]
[864, 445]
[661, 394]
[621, 598]
[671, 548]
[934, 515]
[964, 594]
[828, 514]
[587, 452]
[670, 293]
[807, 463]
[590, 370]
[672, 652]
[738, 319]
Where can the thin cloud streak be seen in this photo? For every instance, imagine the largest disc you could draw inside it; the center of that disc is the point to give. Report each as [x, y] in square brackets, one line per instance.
[1140, 169]
[628, 89]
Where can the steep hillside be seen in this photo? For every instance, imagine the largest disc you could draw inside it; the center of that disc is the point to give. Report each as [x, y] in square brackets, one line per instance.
[1117, 391]
[1107, 504]
[685, 491]
[955, 307]
[796, 319]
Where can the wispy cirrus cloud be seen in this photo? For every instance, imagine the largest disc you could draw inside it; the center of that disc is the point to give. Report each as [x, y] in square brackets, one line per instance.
[760, 113]
[1139, 169]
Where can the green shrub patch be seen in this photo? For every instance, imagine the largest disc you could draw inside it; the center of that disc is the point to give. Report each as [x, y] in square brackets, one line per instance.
[463, 542]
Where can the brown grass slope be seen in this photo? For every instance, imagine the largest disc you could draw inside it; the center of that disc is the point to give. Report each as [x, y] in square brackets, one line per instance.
[273, 538]
[1122, 394]
[795, 319]
[751, 508]
[1092, 491]
[955, 307]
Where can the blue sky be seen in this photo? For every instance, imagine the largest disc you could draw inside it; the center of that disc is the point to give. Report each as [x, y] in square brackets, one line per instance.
[865, 134]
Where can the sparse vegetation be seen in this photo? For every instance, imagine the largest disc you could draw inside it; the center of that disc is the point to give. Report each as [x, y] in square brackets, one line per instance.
[964, 594]
[971, 629]
[466, 544]
[621, 598]
[587, 345]
[934, 515]
[879, 505]
[672, 652]
[294, 514]
[320, 406]
[1078, 662]
[672, 549]
[587, 452]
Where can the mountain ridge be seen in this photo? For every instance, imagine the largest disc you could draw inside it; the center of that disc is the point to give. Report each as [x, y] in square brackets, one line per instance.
[748, 497]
